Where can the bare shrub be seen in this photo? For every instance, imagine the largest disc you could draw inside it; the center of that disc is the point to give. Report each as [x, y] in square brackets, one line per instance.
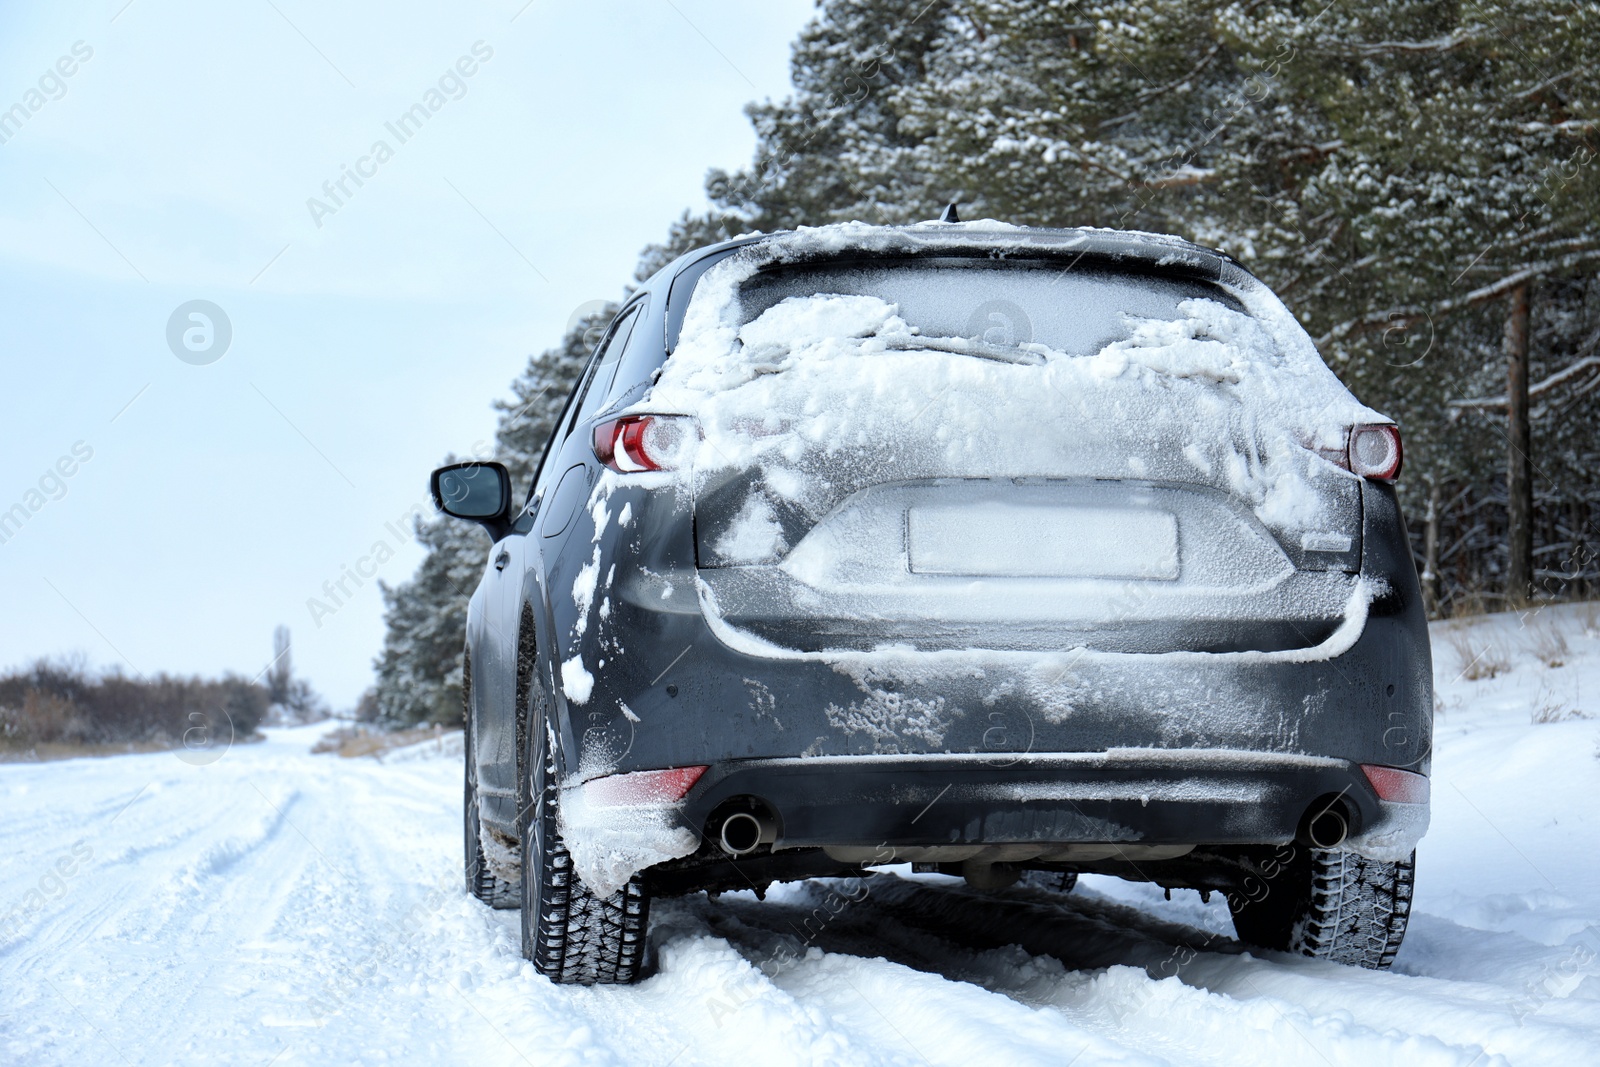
[1468, 603]
[1480, 657]
[1589, 615]
[1549, 644]
[362, 740]
[1555, 711]
[336, 740]
[62, 703]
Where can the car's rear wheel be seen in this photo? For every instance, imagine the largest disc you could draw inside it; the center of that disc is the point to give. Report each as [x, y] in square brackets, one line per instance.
[482, 882]
[572, 935]
[1328, 903]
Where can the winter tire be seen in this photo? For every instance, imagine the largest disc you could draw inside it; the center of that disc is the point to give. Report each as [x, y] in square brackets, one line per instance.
[1327, 903]
[571, 935]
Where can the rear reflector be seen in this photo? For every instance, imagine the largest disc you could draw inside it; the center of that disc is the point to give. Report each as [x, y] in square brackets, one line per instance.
[1375, 452]
[641, 788]
[1400, 787]
[637, 443]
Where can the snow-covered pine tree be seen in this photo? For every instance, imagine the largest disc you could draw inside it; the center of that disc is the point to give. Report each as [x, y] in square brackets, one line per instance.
[425, 625]
[832, 150]
[1393, 170]
[425, 617]
[1464, 169]
[530, 413]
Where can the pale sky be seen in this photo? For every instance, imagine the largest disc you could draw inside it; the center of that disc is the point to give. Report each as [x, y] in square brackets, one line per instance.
[164, 151]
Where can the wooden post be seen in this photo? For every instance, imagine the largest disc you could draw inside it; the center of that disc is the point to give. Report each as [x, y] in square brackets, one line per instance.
[1519, 467]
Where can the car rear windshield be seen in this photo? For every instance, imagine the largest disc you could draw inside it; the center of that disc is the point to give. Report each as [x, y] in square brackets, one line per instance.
[1069, 308]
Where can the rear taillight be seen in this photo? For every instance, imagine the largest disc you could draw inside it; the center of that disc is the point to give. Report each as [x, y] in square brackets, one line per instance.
[1375, 452]
[1393, 784]
[642, 788]
[636, 443]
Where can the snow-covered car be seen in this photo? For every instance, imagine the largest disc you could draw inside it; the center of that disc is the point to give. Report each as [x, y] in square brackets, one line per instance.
[983, 548]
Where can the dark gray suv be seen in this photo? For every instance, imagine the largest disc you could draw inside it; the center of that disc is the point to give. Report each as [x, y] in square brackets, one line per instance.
[980, 548]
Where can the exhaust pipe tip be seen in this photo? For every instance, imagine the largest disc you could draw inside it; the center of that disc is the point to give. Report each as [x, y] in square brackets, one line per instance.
[742, 832]
[1327, 827]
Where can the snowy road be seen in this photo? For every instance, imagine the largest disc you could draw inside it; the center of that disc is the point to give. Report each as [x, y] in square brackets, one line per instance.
[281, 908]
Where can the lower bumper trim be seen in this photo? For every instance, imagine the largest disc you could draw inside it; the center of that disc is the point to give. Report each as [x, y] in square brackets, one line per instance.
[1144, 796]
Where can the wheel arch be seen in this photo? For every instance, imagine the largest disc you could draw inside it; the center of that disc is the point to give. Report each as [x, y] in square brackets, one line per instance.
[536, 605]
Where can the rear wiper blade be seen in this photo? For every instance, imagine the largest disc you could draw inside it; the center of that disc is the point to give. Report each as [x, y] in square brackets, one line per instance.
[966, 346]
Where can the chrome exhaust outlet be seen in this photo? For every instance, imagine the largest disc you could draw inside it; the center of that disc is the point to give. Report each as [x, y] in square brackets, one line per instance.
[742, 832]
[1328, 827]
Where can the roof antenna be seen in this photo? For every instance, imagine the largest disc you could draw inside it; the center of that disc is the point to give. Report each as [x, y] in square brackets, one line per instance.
[950, 213]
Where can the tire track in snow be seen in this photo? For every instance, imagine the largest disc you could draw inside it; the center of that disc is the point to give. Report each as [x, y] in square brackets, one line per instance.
[336, 928]
[904, 1014]
[726, 1003]
[211, 872]
[128, 977]
[405, 959]
[268, 902]
[1477, 1017]
[1342, 1014]
[164, 825]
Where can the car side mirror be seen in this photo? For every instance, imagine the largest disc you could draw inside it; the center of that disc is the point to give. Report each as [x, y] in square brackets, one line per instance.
[477, 492]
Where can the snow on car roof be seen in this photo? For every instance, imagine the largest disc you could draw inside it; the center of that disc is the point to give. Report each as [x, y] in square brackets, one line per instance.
[804, 242]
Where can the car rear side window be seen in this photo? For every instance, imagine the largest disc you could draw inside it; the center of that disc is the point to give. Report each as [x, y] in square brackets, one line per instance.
[604, 366]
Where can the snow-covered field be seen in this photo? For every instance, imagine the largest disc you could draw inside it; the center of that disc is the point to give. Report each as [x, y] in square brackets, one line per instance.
[280, 908]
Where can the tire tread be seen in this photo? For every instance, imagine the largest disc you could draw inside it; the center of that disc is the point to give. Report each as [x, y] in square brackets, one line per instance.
[1358, 910]
[1330, 904]
[573, 936]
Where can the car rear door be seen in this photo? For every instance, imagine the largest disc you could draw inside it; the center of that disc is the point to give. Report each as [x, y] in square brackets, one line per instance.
[509, 582]
[561, 486]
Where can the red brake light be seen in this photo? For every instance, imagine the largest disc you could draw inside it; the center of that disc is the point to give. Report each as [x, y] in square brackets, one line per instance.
[641, 788]
[1375, 452]
[1391, 783]
[636, 443]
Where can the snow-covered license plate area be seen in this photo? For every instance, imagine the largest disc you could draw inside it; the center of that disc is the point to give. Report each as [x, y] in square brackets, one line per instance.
[276, 907]
[1061, 542]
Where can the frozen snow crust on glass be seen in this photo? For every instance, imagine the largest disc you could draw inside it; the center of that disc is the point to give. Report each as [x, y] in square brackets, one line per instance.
[823, 395]
[833, 369]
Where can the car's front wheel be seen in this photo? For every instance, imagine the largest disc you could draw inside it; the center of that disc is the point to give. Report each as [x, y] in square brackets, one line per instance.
[572, 935]
[1328, 903]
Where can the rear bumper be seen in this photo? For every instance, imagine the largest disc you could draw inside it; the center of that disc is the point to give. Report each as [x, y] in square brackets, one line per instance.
[849, 749]
[899, 804]
[675, 686]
